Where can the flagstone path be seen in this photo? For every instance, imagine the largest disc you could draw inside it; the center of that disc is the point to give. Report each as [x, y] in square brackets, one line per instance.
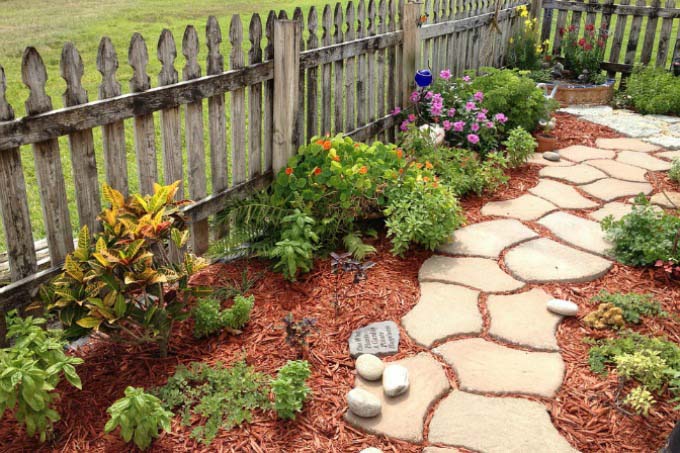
[485, 268]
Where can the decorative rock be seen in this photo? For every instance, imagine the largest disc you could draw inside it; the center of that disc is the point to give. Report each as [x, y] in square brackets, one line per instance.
[440, 450]
[610, 189]
[495, 425]
[478, 273]
[524, 207]
[579, 153]
[665, 141]
[369, 367]
[543, 260]
[363, 403]
[371, 450]
[551, 156]
[442, 311]
[582, 233]
[670, 200]
[643, 161]
[619, 170]
[538, 159]
[576, 174]
[395, 380]
[562, 195]
[627, 144]
[616, 209]
[403, 416]
[379, 338]
[487, 239]
[484, 366]
[523, 320]
[562, 307]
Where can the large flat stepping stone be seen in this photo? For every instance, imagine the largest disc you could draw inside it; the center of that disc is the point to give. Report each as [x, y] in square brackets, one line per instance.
[562, 195]
[576, 174]
[582, 233]
[619, 170]
[670, 155]
[479, 273]
[610, 189]
[487, 239]
[442, 312]
[524, 207]
[484, 366]
[642, 160]
[537, 158]
[440, 450]
[580, 153]
[496, 425]
[616, 209]
[669, 200]
[665, 140]
[543, 260]
[522, 319]
[626, 144]
[403, 416]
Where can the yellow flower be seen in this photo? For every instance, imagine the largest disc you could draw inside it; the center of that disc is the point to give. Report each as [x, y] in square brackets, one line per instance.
[524, 13]
[539, 49]
[512, 40]
[527, 23]
[546, 43]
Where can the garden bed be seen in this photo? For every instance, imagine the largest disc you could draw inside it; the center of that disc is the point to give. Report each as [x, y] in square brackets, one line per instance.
[583, 410]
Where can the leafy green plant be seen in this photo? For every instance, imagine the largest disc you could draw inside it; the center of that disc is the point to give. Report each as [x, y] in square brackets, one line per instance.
[295, 250]
[525, 49]
[519, 147]
[674, 172]
[606, 315]
[209, 316]
[140, 416]
[632, 305]
[30, 369]
[603, 352]
[653, 90]
[119, 281]
[640, 400]
[291, 389]
[645, 366]
[221, 397]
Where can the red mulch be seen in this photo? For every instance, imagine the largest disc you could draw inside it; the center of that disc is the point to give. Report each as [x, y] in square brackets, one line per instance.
[584, 410]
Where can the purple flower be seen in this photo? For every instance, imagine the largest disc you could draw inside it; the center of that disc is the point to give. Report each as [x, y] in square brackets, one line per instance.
[481, 116]
[396, 111]
[404, 125]
[429, 95]
[470, 106]
[452, 112]
[411, 117]
[489, 124]
[474, 127]
[447, 125]
[436, 110]
[479, 96]
[437, 98]
[501, 118]
[472, 138]
[458, 126]
[415, 96]
[466, 79]
[445, 74]
[485, 111]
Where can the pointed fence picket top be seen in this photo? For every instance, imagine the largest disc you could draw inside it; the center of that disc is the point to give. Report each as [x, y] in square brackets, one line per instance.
[255, 99]
[338, 70]
[115, 156]
[216, 110]
[47, 163]
[268, 104]
[144, 128]
[312, 77]
[299, 133]
[362, 74]
[326, 98]
[238, 104]
[370, 63]
[81, 143]
[350, 92]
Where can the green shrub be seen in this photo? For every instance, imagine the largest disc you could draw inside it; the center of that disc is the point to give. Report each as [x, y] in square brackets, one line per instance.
[674, 172]
[295, 250]
[30, 370]
[640, 400]
[632, 305]
[209, 316]
[140, 416]
[519, 147]
[654, 90]
[644, 236]
[603, 352]
[645, 366]
[291, 389]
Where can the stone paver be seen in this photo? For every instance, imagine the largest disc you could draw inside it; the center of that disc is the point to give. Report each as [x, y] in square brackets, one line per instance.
[495, 425]
[665, 140]
[442, 312]
[643, 161]
[523, 319]
[524, 207]
[487, 239]
[484, 366]
[582, 233]
[615, 208]
[670, 200]
[543, 260]
[626, 144]
[579, 153]
[562, 195]
[537, 158]
[576, 174]
[619, 170]
[479, 273]
[440, 450]
[402, 417]
[610, 189]
[670, 155]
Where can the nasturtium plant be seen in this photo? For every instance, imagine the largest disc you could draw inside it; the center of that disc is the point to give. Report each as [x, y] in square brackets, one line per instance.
[30, 370]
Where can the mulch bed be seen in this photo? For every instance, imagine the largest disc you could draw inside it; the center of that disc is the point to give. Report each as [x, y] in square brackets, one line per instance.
[584, 410]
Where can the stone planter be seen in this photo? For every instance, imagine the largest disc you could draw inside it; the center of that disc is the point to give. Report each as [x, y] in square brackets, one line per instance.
[546, 142]
[574, 94]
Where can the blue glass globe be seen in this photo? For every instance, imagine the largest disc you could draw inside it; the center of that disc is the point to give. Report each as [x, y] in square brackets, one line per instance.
[423, 78]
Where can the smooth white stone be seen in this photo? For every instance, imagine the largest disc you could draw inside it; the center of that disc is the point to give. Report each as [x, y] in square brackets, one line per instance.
[369, 367]
[395, 380]
[551, 156]
[363, 403]
[371, 450]
[562, 307]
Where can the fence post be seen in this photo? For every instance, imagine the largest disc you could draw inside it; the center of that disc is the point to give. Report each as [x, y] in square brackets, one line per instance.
[411, 52]
[286, 75]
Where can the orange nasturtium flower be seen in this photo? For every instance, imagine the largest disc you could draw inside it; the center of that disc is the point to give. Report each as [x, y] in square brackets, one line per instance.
[336, 158]
[317, 171]
[327, 145]
[426, 179]
[428, 165]
[319, 142]
[400, 153]
[363, 170]
[289, 171]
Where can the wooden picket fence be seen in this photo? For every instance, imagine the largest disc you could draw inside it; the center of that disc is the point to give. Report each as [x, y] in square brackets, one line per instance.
[627, 43]
[348, 70]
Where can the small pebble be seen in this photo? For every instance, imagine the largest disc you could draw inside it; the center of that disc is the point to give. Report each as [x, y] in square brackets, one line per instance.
[395, 380]
[363, 403]
[562, 307]
[371, 450]
[369, 367]
[551, 156]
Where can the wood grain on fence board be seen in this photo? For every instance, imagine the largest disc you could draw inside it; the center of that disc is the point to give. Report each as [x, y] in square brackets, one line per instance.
[255, 99]
[622, 8]
[392, 101]
[411, 49]
[664, 37]
[268, 101]
[312, 77]
[362, 76]
[286, 73]
[238, 104]
[350, 70]
[113, 134]
[650, 35]
[617, 43]
[326, 97]
[633, 36]
[338, 73]
[370, 63]
[299, 133]
[217, 120]
[380, 65]
[427, 40]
